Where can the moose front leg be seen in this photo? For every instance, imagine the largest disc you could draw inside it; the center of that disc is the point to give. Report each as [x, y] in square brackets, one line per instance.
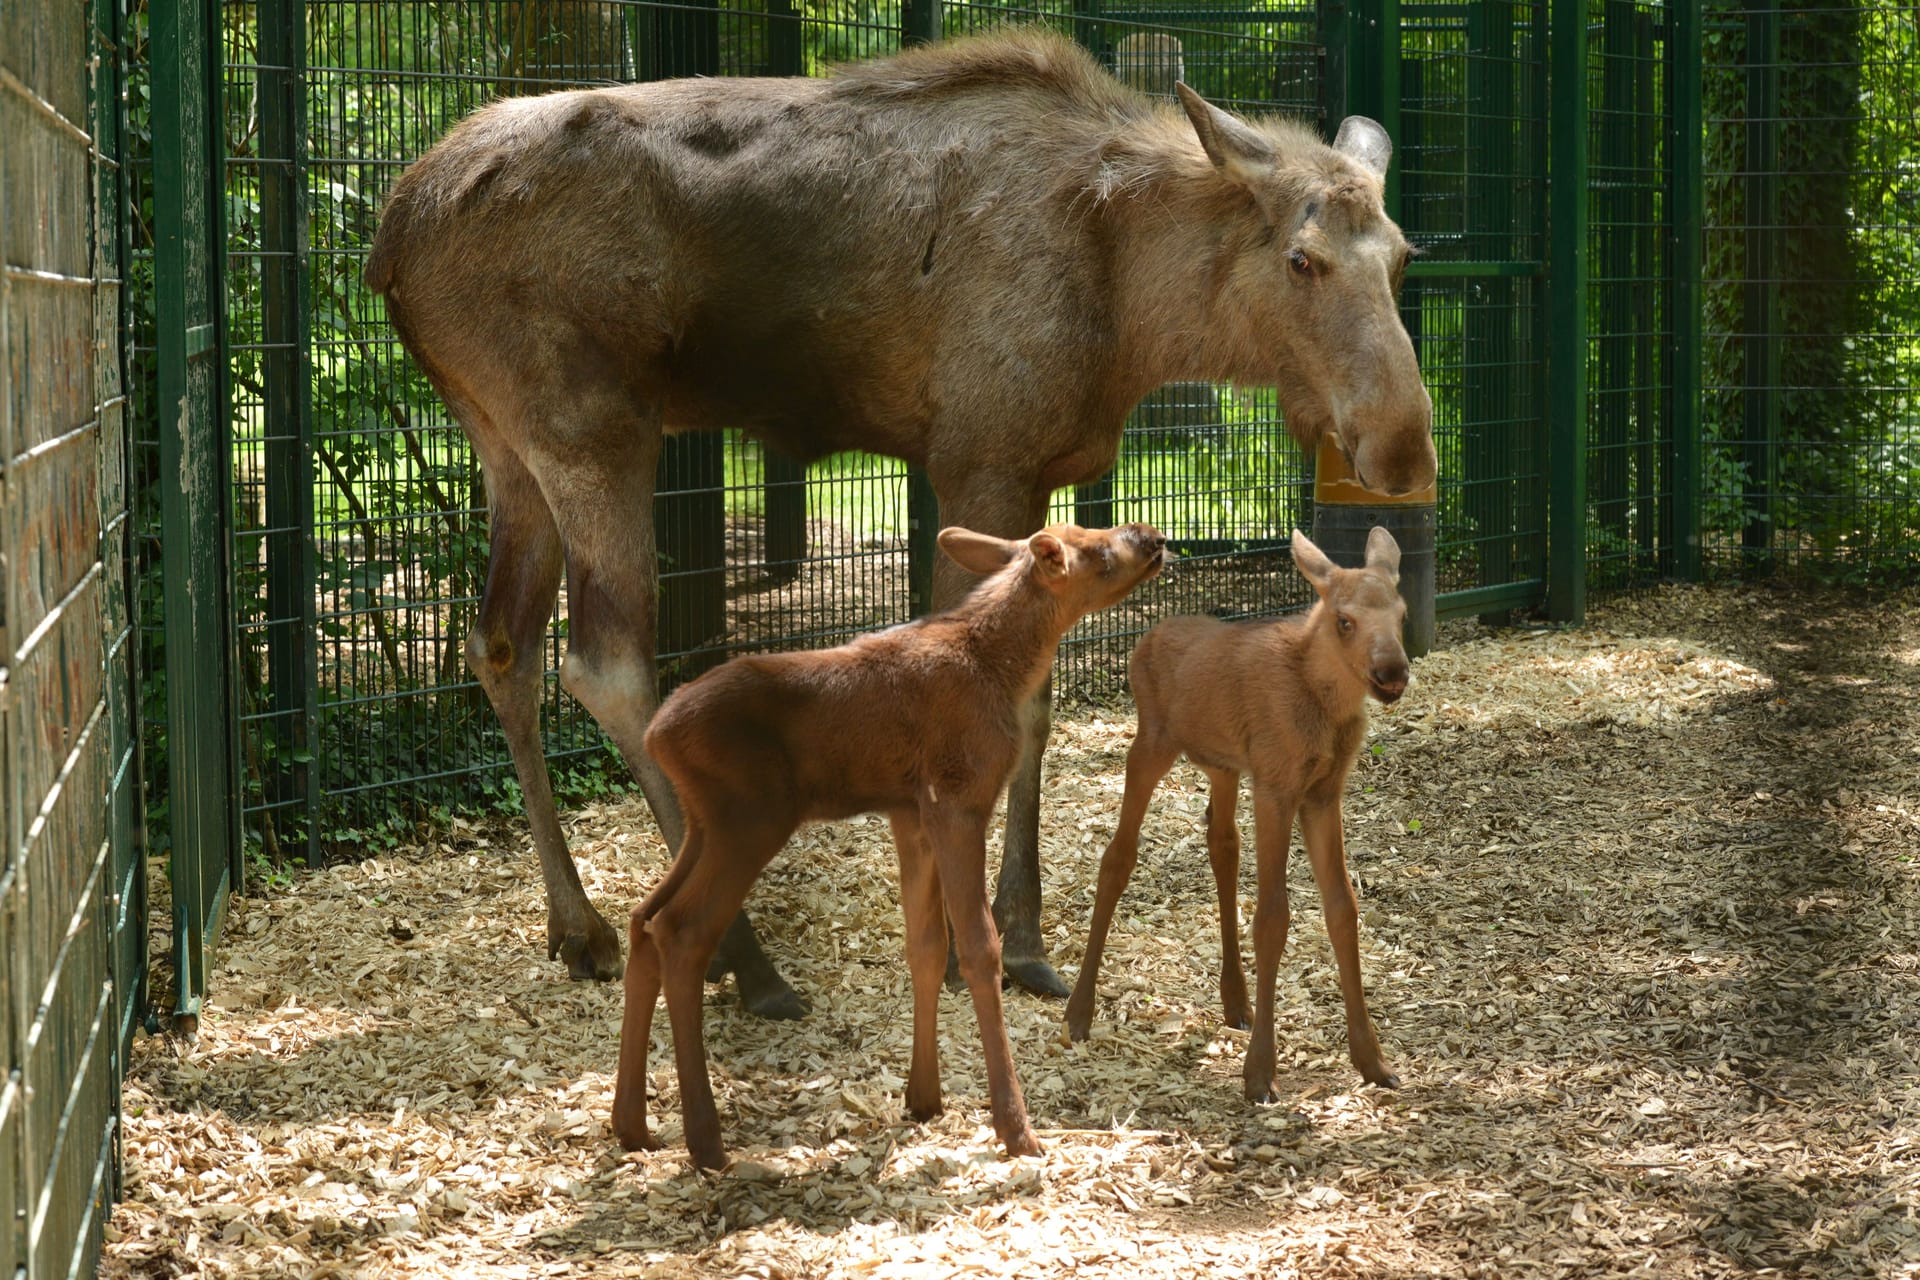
[1016, 899]
[1006, 505]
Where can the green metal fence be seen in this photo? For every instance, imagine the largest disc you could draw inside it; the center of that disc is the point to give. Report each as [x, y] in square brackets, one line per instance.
[1811, 289]
[72, 888]
[1607, 413]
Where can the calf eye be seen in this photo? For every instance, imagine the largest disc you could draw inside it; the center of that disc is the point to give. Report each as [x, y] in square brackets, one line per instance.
[1346, 624]
[1302, 265]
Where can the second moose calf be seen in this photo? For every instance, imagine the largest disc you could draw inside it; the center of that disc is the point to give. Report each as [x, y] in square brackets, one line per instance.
[1286, 702]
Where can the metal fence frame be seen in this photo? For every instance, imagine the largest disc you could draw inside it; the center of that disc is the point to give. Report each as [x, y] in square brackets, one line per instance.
[72, 881]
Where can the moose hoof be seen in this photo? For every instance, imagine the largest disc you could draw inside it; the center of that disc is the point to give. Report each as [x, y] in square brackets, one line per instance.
[1261, 1087]
[923, 1110]
[594, 955]
[1382, 1077]
[1036, 976]
[773, 999]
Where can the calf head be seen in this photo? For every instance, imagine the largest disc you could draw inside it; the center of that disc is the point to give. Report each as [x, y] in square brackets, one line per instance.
[1364, 610]
[1314, 292]
[1082, 569]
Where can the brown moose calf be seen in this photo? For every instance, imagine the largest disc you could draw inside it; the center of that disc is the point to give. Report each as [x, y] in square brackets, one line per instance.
[921, 722]
[1286, 702]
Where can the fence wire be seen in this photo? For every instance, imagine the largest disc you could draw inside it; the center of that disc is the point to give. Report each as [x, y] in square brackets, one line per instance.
[1811, 290]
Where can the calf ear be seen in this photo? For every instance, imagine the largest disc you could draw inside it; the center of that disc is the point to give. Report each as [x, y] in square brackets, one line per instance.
[976, 552]
[1311, 561]
[1383, 553]
[1049, 554]
[1365, 141]
[1236, 149]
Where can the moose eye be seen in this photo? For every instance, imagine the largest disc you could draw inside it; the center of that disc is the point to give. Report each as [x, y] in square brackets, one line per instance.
[1302, 265]
[1346, 624]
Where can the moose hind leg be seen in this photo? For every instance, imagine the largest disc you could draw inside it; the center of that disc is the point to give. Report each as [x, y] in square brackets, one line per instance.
[504, 651]
[606, 521]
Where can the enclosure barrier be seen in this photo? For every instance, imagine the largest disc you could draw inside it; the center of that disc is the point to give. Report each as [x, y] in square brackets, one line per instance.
[72, 883]
[1561, 327]
[1691, 353]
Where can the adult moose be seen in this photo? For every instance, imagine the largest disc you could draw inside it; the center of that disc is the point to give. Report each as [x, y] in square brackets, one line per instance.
[975, 256]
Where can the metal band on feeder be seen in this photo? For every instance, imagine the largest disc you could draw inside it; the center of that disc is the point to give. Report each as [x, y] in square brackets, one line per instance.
[1343, 513]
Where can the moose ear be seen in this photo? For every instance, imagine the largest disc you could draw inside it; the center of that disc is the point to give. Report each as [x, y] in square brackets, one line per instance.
[1049, 554]
[1365, 141]
[1237, 150]
[976, 552]
[1311, 561]
[1383, 553]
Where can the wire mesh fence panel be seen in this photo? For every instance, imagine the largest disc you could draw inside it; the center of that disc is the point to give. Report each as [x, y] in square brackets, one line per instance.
[72, 889]
[1811, 290]
[1471, 156]
[1629, 440]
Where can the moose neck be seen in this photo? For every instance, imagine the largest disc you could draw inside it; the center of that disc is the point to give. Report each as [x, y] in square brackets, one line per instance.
[1177, 232]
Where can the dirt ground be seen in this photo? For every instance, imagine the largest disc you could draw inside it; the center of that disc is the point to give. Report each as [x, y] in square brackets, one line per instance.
[1638, 929]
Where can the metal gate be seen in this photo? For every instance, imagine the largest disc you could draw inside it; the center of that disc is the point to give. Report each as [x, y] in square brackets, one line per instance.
[72, 887]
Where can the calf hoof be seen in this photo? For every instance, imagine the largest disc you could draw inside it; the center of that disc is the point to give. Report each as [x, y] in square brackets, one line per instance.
[594, 955]
[1036, 976]
[923, 1110]
[1380, 1076]
[1261, 1086]
[708, 1156]
[633, 1137]
[1079, 1019]
[1021, 1142]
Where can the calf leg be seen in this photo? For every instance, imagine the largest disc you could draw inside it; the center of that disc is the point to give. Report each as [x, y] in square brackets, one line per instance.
[1272, 832]
[1007, 506]
[603, 500]
[685, 930]
[642, 993]
[1147, 762]
[1223, 851]
[1321, 831]
[926, 960]
[959, 842]
[505, 651]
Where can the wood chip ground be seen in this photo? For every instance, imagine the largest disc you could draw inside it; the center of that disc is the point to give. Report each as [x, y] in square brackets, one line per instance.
[1638, 927]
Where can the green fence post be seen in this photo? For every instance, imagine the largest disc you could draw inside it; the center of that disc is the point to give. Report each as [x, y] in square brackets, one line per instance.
[190, 294]
[1618, 315]
[783, 481]
[1761, 394]
[1488, 393]
[690, 503]
[1686, 226]
[920, 22]
[1567, 317]
[287, 376]
[923, 533]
